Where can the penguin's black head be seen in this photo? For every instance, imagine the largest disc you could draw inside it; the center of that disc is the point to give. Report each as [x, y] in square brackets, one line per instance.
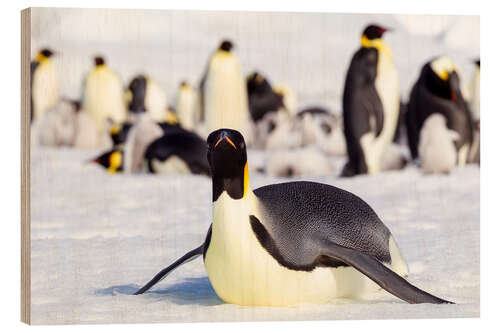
[137, 94]
[374, 31]
[441, 78]
[257, 84]
[99, 61]
[112, 160]
[47, 53]
[226, 45]
[119, 133]
[227, 157]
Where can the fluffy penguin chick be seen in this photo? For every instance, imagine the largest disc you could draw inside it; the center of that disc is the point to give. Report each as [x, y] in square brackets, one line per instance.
[299, 162]
[140, 136]
[276, 131]
[436, 149]
[56, 127]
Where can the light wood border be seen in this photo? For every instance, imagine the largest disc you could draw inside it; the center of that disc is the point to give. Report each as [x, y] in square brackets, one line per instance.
[25, 166]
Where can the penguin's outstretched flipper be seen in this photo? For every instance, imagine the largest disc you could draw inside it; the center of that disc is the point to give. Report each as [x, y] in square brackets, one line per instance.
[191, 255]
[380, 274]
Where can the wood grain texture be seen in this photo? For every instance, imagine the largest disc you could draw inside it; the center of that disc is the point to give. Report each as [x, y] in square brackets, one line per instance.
[25, 167]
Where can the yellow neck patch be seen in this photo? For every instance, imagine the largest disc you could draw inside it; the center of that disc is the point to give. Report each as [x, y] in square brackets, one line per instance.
[171, 118]
[41, 58]
[222, 53]
[246, 185]
[378, 44]
[115, 161]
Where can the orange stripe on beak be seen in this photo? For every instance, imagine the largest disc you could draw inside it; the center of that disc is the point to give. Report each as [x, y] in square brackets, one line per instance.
[231, 142]
[218, 141]
[228, 140]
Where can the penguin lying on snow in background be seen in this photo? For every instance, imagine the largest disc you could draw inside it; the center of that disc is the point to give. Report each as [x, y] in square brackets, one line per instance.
[103, 96]
[145, 95]
[436, 148]
[156, 150]
[291, 243]
[438, 91]
[177, 151]
[370, 103]
[261, 97]
[225, 100]
[44, 90]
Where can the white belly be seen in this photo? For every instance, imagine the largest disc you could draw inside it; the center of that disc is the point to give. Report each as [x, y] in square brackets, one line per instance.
[225, 97]
[45, 91]
[387, 86]
[243, 272]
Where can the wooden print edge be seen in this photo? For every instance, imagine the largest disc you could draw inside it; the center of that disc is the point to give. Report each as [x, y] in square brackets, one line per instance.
[25, 167]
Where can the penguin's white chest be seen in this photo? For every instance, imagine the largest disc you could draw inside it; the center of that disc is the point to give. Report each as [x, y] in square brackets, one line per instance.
[45, 91]
[243, 272]
[387, 86]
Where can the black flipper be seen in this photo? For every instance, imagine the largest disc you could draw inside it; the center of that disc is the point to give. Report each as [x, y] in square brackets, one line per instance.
[191, 255]
[380, 274]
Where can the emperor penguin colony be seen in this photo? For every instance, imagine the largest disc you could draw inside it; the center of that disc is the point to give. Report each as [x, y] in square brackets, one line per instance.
[158, 141]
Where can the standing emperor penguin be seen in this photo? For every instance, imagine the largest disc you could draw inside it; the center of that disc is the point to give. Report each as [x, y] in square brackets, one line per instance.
[144, 94]
[291, 243]
[187, 106]
[437, 90]
[225, 101]
[44, 90]
[370, 103]
[103, 95]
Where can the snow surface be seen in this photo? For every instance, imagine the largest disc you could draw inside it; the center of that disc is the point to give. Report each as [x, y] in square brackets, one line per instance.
[96, 238]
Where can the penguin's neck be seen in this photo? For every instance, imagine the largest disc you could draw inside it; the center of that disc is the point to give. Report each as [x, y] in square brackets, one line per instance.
[236, 187]
[379, 44]
[41, 58]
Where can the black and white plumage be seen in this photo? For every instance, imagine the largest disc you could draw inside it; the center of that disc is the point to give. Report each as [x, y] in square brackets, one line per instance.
[291, 243]
[177, 151]
[145, 95]
[438, 91]
[370, 103]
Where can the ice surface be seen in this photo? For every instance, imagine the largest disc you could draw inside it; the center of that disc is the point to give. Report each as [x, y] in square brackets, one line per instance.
[96, 238]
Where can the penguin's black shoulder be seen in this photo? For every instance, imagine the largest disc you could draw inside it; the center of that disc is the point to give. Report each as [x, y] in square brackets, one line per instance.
[184, 144]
